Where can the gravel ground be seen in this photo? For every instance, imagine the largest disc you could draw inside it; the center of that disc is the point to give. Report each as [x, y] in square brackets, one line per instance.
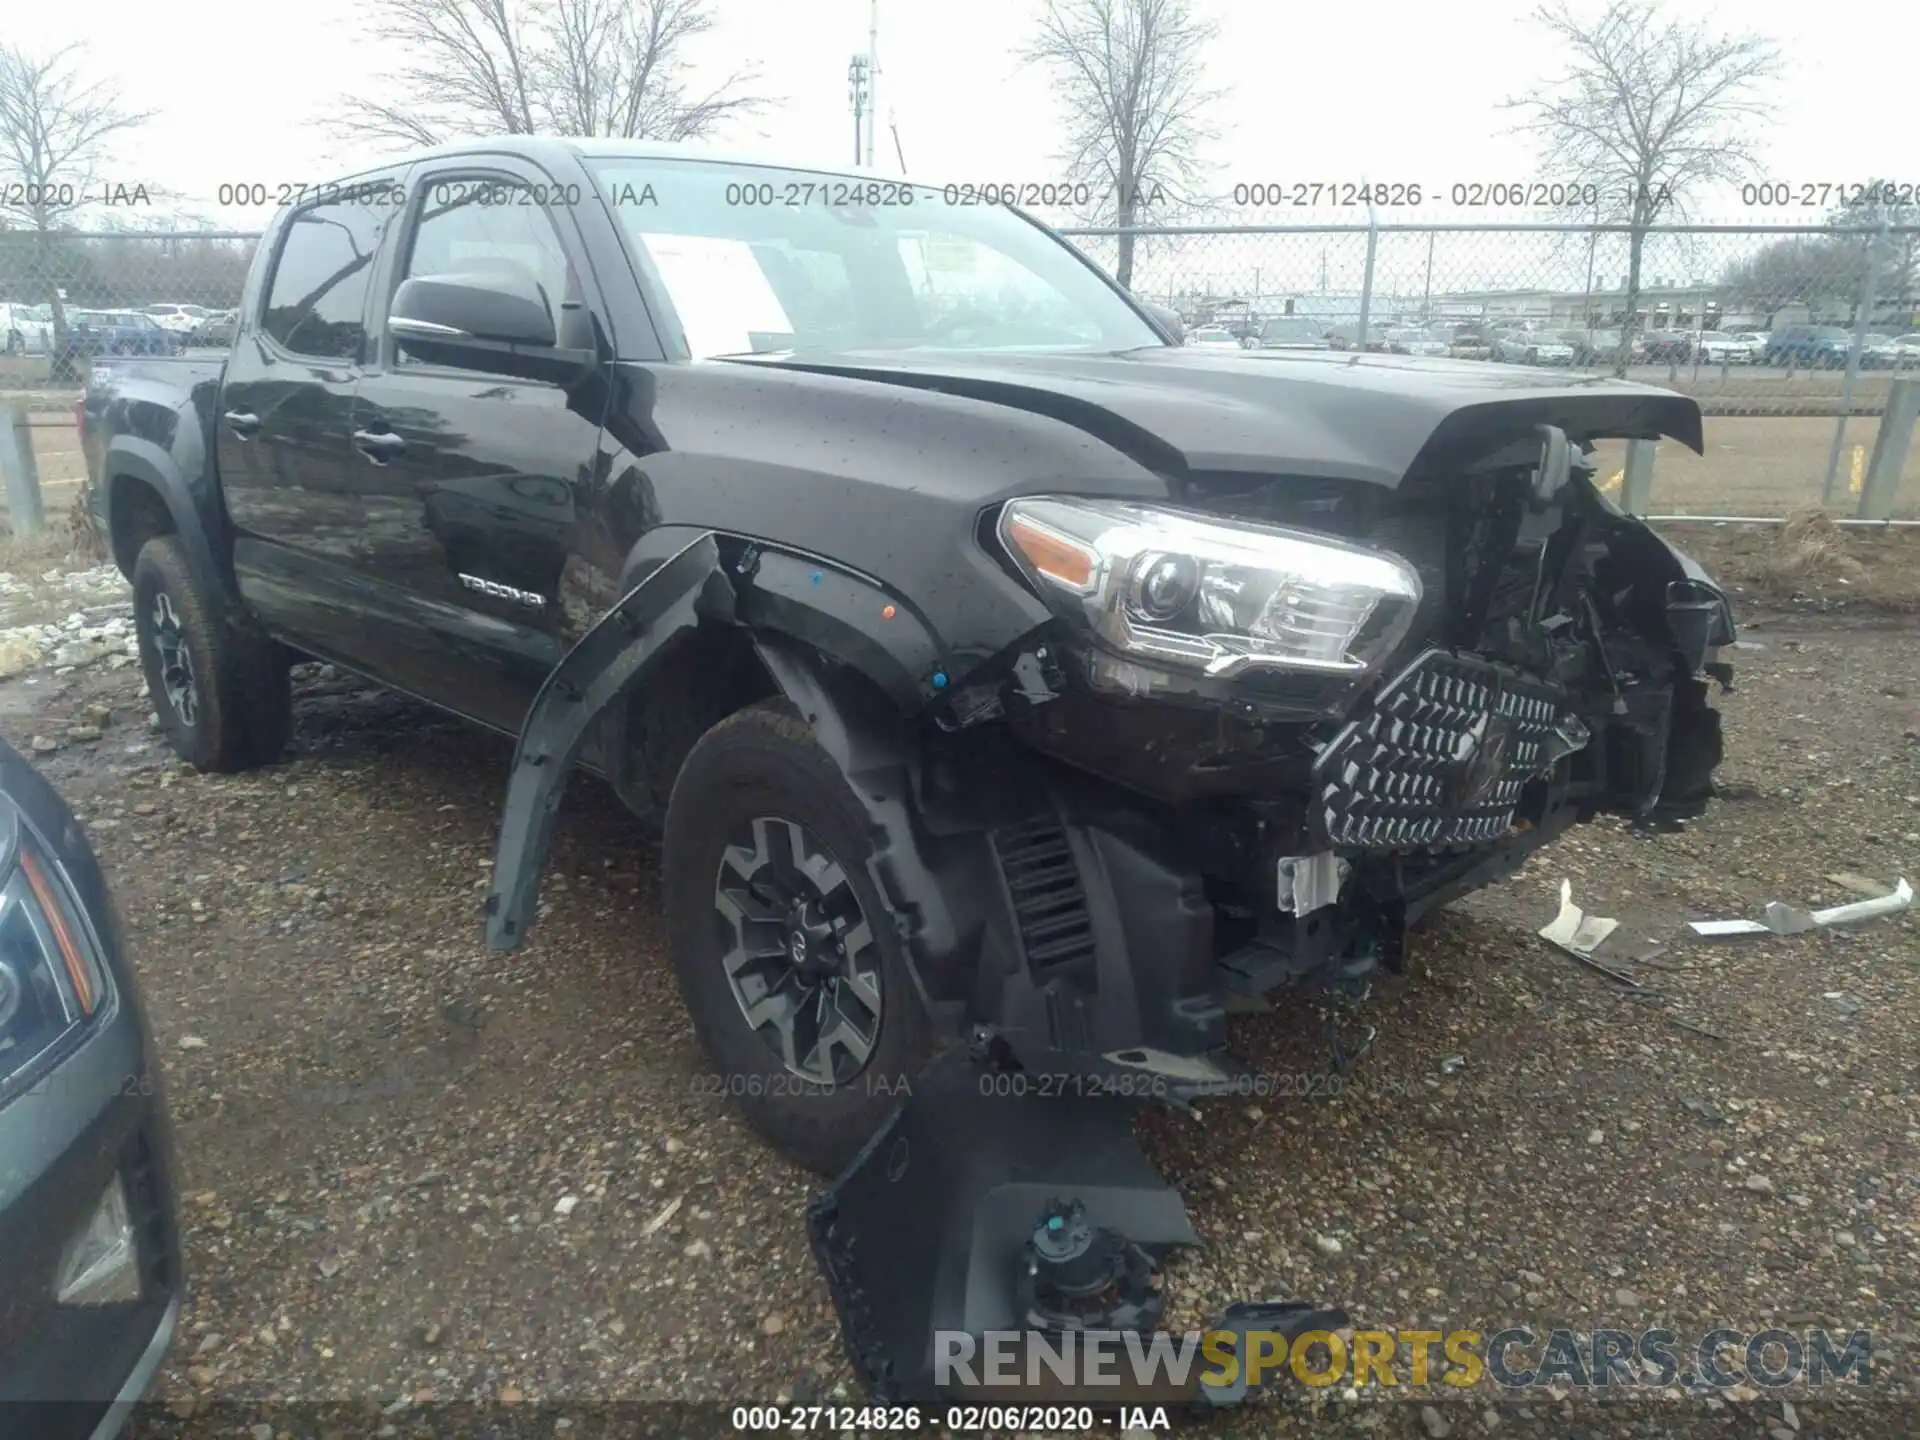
[416, 1171]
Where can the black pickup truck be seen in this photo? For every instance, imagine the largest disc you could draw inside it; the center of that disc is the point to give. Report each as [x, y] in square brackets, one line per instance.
[1014, 689]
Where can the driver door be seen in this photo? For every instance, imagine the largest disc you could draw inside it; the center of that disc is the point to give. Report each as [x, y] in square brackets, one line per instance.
[480, 478]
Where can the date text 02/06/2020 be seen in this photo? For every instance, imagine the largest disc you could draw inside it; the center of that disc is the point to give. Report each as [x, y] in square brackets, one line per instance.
[952, 1420]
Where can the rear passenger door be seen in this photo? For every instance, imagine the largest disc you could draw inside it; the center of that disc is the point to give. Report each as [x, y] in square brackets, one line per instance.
[284, 418]
[482, 475]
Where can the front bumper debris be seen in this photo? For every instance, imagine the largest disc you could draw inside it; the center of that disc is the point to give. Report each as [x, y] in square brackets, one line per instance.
[986, 1208]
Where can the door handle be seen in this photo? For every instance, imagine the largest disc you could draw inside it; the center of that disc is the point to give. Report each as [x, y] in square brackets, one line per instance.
[243, 423]
[379, 446]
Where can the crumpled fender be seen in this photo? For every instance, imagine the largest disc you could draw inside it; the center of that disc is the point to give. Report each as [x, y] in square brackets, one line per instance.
[633, 638]
[801, 610]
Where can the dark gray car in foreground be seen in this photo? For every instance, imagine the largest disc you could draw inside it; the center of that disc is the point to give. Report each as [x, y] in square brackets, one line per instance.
[89, 1251]
[1013, 687]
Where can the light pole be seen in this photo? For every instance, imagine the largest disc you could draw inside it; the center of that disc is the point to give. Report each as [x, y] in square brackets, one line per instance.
[873, 76]
[859, 88]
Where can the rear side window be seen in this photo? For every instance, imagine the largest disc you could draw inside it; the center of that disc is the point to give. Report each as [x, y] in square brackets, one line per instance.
[317, 296]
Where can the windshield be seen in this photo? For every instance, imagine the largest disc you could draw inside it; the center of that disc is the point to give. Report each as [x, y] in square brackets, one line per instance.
[754, 259]
[1294, 328]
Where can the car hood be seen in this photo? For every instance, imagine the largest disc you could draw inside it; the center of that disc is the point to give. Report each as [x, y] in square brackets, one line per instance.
[1348, 416]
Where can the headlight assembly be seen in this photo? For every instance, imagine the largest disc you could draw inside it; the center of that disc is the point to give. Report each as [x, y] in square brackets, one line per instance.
[1212, 597]
[51, 984]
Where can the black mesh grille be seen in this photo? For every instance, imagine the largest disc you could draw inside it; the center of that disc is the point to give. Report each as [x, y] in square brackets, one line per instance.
[1400, 778]
[1048, 902]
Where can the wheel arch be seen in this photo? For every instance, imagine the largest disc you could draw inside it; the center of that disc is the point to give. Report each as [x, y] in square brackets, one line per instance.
[143, 495]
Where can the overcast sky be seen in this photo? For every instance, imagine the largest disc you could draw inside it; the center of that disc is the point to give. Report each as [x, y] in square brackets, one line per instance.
[1384, 91]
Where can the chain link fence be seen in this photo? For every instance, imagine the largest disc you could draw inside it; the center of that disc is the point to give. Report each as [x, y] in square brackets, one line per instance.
[1791, 336]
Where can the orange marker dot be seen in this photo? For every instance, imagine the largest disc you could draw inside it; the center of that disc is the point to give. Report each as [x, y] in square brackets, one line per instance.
[886, 612]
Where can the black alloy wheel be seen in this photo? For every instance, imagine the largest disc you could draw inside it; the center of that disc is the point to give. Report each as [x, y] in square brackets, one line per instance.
[176, 660]
[803, 966]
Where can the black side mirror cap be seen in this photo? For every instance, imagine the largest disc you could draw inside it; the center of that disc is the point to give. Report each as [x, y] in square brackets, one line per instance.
[496, 322]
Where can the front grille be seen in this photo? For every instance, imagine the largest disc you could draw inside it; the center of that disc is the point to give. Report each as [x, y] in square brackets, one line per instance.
[1424, 767]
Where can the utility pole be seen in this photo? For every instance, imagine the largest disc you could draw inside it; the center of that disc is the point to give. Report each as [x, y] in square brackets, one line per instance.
[858, 89]
[1426, 300]
[873, 73]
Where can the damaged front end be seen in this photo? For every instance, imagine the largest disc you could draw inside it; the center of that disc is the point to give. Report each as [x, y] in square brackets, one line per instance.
[1246, 792]
[1269, 726]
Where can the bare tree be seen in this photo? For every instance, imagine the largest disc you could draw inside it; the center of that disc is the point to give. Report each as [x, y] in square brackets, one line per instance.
[1819, 271]
[1129, 75]
[1649, 109]
[56, 131]
[1873, 205]
[544, 67]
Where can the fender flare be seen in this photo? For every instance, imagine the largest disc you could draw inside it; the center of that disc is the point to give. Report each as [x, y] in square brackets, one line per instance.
[142, 460]
[627, 643]
[843, 613]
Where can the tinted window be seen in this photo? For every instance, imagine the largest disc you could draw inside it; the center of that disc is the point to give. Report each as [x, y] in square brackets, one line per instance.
[319, 285]
[475, 226]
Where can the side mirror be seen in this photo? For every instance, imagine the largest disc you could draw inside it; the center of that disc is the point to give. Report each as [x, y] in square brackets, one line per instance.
[1168, 320]
[496, 322]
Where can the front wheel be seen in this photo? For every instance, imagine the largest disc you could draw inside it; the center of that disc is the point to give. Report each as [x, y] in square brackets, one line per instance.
[786, 955]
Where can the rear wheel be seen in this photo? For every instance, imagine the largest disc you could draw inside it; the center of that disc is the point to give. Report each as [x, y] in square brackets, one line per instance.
[221, 691]
[786, 956]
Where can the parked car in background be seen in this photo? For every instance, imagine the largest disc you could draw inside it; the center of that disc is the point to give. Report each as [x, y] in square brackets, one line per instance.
[90, 1264]
[1471, 341]
[116, 332]
[176, 319]
[1716, 348]
[1667, 347]
[1531, 347]
[1812, 346]
[1879, 352]
[1289, 332]
[26, 329]
[1909, 346]
[1594, 347]
[1410, 341]
[1212, 337]
[216, 329]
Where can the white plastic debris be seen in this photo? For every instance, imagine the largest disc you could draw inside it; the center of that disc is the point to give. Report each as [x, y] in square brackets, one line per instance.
[1780, 919]
[1575, 930]
[672, 1209]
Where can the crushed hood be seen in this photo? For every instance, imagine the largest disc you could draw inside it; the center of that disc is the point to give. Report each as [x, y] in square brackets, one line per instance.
[1334, 415]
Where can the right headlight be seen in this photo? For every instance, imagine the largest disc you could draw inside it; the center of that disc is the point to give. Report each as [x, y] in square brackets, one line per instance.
[1212, 597]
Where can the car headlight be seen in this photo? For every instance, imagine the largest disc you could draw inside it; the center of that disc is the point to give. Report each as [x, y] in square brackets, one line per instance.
[50, 982]
[1212, 597]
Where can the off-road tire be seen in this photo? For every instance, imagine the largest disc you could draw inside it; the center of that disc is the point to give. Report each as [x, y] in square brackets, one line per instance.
[764, 761]
[235, 709]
